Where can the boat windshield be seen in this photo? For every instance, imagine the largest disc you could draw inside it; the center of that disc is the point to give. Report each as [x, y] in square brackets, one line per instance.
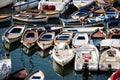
[80, 38]
[30, 35]
[62, 37]
[36, 77]
[16, 30]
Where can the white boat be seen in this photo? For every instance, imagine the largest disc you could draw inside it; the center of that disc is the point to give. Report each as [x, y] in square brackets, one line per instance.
[62, 54]
[60, 5]
[86, 58]
[64, 37]
[13, 33]
[4, 3]
[30, 17]
[107, 43]
[82, 3]
[46, 40]
[97, 36]
[80, 39]
[5, 66]
[5, 17]
[25, 4]
[110, 60]
[35, 75]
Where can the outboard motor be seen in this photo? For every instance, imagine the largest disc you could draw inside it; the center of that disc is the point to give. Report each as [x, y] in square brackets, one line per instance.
[109, 68]
[85, 67]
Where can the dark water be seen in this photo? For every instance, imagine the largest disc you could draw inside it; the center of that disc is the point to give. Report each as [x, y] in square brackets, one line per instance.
[42, 60]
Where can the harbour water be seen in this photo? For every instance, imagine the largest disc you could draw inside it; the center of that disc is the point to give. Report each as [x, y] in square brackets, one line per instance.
[42, 60]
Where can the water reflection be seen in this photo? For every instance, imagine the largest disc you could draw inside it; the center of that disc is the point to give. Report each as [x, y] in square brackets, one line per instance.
[43, 53]
[60, 70]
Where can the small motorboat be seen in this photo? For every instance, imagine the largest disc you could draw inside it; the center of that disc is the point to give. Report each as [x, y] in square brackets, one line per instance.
[35, 75]
[111, 13]
[97, 36]
[62, 54]
[80, 39]
[5, 65]
[86, 58]
[5, 17]
[46, 40]
[25, 4]
[30, 17]
[13, 33]
[29, 37]
[114, 33]
[110, 60]
[5, 3]
[20, 74]
[115, 75]
[64, 37]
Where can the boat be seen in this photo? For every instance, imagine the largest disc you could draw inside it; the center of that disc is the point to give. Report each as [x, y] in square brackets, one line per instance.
[59, 5]
[94, 18]
[115, 75]
[110, 60]
[13, 33]
[49, 13]
[46, 40]
[114, 33]
[5, 17]
[104, 3]
[29, 37]
[86, 58]
[80, 39]
[63, 37]
[5, 65]
[35, 75]
[20, 74]
[82, 3]
[25, 4]
[62, 54]
[13, 36]
[109, 43]
[111, 13]
[5, 3]
[30, 17]
[97, 36]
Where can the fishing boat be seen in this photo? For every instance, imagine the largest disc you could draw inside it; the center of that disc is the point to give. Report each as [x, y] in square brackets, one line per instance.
[111, 13]
[82, 3]
[114, 33]
[25, 4]
[115, 75]
[13, 33]
[59, 5]
[29, 37]
[110, 60]
[5, 3]
[5, 65]
[64, 37]
[62, 54]
[20, 74]
[80, 39]
[49, 13]
[5, 17]
[86, 58]
[35, 75]
[30, 17]
[97, 36]
[46, 40]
